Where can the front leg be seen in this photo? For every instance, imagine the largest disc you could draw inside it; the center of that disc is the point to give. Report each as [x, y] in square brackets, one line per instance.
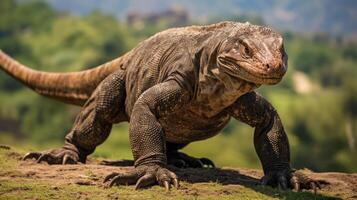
[147, 138]
[270, 142]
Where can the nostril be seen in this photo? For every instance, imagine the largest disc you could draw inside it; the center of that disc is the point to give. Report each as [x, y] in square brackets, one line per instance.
[267, 66]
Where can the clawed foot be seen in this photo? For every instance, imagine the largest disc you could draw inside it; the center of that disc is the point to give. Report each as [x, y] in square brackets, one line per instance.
[289, 179]
[182, 160]
[55, 156]
[144, 176]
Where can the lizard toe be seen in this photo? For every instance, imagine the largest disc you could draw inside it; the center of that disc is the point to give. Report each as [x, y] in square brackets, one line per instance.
[145, 181]
[128, 178]
[166, 178]
[69, 159]
[31, 155]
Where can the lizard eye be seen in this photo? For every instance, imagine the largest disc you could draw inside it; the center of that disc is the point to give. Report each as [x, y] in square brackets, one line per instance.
[247, 51]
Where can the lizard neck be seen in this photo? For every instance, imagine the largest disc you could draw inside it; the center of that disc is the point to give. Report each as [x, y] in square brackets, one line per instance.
[216, 90]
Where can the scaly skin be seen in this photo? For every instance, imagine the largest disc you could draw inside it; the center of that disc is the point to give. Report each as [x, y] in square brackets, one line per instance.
[177, 87]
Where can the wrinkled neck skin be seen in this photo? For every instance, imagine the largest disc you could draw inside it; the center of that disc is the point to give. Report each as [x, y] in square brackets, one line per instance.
[216, 90]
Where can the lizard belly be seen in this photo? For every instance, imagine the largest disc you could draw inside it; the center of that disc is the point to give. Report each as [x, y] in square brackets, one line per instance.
[186, 126]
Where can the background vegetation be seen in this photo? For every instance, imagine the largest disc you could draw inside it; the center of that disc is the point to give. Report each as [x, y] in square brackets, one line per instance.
[317, 100]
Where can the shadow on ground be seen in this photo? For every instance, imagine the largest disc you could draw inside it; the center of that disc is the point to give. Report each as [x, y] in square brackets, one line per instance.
[235, 177]
[245, 177]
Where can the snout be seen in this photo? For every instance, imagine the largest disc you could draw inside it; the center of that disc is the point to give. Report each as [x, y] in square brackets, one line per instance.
[277, 66]
[275, 69]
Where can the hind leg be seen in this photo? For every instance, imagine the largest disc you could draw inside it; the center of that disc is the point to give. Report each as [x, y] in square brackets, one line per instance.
[182, 160]
[174, 158]
[93, 124]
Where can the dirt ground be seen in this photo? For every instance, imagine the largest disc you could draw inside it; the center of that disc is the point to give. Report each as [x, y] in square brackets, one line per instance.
[229, 180]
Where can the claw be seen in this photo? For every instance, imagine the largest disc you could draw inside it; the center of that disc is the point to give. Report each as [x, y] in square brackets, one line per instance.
[110, 176]
[207, 162]
[68, 160]
[174, 179]
[295, 183]
[124, 179]
[313, 186]
[167, 186]
[31, 155]
[176, 183]
[145, 181]
[200, 164]
[43, 157]
[113, 181]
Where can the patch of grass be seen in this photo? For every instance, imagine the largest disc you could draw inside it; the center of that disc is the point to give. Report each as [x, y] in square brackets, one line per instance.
[8, 160]
[23, 145]
[90, 173]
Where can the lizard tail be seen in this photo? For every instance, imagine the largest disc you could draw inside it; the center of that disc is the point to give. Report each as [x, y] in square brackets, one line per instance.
[72, 87]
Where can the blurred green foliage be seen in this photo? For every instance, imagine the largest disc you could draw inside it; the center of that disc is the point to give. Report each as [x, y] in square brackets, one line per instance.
[321, 122]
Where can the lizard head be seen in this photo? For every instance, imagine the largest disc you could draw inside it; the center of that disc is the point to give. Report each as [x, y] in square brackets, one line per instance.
[255, 55]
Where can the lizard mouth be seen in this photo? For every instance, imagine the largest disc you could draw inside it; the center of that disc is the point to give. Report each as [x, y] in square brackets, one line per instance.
[244, 71]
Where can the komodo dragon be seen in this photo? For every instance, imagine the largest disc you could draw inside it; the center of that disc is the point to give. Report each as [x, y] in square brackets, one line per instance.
[179, 86]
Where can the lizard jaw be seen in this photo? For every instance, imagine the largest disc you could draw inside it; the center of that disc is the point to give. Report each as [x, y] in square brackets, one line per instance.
[240, 71]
